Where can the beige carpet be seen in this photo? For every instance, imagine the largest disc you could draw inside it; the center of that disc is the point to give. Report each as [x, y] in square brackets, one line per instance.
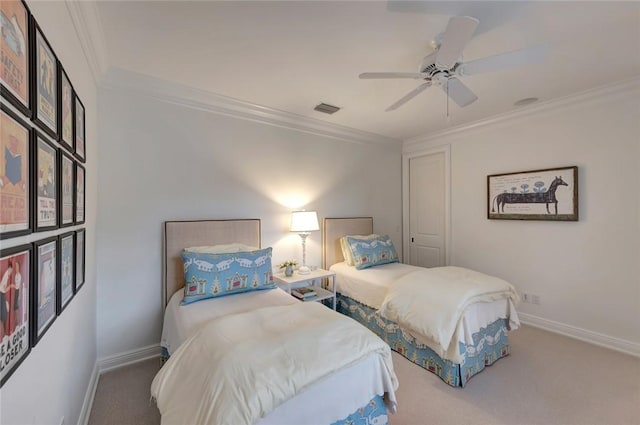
[547, 379]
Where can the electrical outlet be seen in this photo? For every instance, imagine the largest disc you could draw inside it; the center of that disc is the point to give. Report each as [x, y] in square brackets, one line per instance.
[525, 297]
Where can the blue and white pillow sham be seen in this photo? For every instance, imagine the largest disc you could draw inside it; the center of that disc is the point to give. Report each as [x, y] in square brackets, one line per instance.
[209, 275]
[373, 252]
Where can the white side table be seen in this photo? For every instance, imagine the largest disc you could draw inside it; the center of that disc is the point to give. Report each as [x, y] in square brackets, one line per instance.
[312, 279]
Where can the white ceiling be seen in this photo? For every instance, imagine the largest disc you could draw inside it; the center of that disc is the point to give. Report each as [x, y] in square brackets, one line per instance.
[292, 55]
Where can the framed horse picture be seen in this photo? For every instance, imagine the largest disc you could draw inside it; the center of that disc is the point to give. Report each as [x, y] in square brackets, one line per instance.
[549, 194]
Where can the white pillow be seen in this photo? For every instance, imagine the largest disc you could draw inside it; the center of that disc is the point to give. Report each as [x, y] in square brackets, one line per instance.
[221, 249]
[346, 249]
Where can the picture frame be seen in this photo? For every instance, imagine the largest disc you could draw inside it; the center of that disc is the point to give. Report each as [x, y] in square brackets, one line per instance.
[45, 298]
[80, 180]
[45, 83]
[16, 153]
[16, 289]
[80, 259]
[65, 109]
[67, 190]
[79, 130]
[15, 50]
[547, 194]
[46, 182]
[66, 270]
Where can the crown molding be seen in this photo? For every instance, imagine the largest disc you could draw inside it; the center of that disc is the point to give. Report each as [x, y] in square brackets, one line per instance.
[622, 89]
[86, 21]
[182, 95]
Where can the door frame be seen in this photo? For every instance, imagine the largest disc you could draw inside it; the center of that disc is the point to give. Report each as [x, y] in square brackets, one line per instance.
[406, 236]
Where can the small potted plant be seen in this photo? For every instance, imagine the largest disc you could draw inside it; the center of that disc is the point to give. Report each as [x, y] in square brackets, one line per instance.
[288, 267]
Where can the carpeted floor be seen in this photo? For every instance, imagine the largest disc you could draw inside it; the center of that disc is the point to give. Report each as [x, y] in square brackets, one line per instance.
[547, 379]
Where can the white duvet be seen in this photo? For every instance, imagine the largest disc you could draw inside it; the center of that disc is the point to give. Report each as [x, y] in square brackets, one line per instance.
[238, 368]
[431, 302]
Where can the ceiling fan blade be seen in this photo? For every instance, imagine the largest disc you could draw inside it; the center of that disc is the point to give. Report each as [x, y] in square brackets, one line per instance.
[458, 33]
[370, 75]
[413, 93]
[504, 60]
[460, 93]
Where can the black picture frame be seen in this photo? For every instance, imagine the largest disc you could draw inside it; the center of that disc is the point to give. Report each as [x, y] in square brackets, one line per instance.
[45, 180]
[44, 83]
[17, 49]
[14, 192]
[80, 247]
[16, 310]
[45, 298]
[66, 190]
[66, 270]
[79, 129]
[80, 187]
[558, 202]
[65, 110]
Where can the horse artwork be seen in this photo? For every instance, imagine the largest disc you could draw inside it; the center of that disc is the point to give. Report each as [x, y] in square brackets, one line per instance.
[521, 196]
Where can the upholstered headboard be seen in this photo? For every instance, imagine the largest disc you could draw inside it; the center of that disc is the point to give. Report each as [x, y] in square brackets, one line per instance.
[182, 234]
[334, 229]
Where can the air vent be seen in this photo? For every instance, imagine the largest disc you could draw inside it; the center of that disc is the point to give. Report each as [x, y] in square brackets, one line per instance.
[327, 109]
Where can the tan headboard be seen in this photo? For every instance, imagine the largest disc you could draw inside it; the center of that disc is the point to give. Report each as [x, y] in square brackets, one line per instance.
[334, 229]
[182, 234]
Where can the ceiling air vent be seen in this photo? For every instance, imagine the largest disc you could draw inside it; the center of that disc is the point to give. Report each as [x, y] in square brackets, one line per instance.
[327, 109]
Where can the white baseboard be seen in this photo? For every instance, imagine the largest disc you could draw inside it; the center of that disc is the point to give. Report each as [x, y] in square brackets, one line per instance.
[618, 344]
[106, 364]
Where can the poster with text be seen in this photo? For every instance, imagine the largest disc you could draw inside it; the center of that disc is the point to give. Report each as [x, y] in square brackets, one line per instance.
[46, 85]
[14, 51]
[14, 308]
[66, 270]
[66, 171]
[79, 259]
[66, 136]
[79, 129]
[14, 176]
[80, 194]
[46, 287]
[46, 201]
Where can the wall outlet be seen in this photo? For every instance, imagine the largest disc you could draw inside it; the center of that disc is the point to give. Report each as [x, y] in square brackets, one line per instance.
[530, 298]
[525, 297]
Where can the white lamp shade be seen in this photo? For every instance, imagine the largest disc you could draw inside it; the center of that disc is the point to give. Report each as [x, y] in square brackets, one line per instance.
[304, 221]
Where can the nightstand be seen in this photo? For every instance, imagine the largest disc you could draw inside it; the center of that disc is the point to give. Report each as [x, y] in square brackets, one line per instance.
[314, 279]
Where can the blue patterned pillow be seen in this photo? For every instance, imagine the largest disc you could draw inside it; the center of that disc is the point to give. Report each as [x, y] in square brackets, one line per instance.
[368, 253]
[216, 275]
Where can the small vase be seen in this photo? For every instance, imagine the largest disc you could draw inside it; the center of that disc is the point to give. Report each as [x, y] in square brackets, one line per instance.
[288, 271]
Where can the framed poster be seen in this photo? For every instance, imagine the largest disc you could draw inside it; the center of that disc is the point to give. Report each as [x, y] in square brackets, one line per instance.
[46, 199]
[80, 180]
[550, 194]
[15, 175]
[67, 270]
[15, 70]
[46, 84]
[67, 195]
[66, 110]
[46, 278]
[80, 250]
[79, 129]
[15, 305]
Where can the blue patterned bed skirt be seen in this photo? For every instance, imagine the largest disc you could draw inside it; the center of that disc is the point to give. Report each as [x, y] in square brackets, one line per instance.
[489, 344]
[373, 413]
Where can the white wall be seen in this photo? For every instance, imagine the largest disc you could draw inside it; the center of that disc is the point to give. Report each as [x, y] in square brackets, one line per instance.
[162, 161]
[586, 273]
[52, 382]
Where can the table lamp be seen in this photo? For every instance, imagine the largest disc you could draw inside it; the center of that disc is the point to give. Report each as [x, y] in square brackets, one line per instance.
[304, 222]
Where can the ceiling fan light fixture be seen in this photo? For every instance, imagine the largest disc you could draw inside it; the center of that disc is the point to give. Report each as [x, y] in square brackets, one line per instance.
[526, 101]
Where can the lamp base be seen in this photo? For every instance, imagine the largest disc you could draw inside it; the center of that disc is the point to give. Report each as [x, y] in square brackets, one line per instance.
[304, 270]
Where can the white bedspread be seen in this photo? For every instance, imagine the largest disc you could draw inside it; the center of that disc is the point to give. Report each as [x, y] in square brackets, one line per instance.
[431, 302]
[238, 368]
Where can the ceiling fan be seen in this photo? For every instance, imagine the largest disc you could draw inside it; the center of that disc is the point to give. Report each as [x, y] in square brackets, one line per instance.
[444, 66]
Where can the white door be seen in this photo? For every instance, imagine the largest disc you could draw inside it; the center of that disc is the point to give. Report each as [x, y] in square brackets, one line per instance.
[427, 210]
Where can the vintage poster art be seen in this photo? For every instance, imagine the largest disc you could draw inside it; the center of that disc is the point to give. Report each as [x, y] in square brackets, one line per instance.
[14, 52]
[80, 236]
[15, 172]
[46, 276]
[67, 271]
[549, 194]
[46, 85]
[67, 194]
[80, 186]
[66, 111]
[79, 129]
[46, 203]
[15, 325]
